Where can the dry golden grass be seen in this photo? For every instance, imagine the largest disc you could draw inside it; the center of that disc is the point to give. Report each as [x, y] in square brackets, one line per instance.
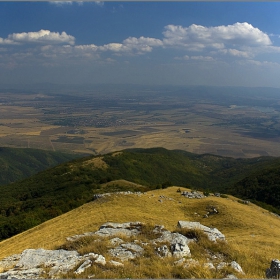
[252, 233]
[97, 162]
[121, 183]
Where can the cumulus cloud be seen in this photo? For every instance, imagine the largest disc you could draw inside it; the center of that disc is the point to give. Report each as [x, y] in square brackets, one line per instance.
[130, 45]
[202, 58]
[200, 43]
[42, 36]
[236, 53]
[200, 37]
[7, 42]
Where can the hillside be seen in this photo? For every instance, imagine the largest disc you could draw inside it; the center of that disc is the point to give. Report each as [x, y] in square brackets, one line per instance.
[60, 189]
[251, 242]
[18, 163]
[262, 187]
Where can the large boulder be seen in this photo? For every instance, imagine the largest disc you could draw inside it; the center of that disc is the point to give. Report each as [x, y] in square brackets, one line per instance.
[212, 233]
[178, 243]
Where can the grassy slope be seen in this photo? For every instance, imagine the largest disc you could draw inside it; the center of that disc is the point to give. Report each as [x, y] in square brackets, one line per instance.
[252, 233]
[17, 164]
[55, 191]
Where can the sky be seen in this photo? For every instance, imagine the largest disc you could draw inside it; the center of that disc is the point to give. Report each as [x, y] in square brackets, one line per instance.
[148, 43]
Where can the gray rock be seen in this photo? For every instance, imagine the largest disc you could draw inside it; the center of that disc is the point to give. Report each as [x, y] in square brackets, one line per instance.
[212, 233]
[31, 273]
[100, 259]
[113, 229]
[91, 256]
[31, 263]
[83, 267]
[116, 263]
[192, 194]
[63, 259]
[178, 243]
[9, 262]
[236, 267]
[180, 261]
[126, 251]
[163, 251]
[231, 276]
[78, 236]
[274, 270]
[116, 241]
[222, 265]
[209, 265]
[158, 229]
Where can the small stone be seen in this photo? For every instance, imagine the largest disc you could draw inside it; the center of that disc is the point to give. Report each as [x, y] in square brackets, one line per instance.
[83, 267]
[221, 265]
[236, 267]
[100, 260]
[116, 263]
[209, 265]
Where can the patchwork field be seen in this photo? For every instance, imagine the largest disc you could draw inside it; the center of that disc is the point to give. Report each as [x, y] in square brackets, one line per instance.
[222, 121]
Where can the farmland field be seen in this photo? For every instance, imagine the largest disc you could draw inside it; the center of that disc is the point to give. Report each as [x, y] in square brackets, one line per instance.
[236, 122]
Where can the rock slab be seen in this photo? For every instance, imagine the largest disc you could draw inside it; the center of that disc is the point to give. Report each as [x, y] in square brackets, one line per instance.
[212, 233]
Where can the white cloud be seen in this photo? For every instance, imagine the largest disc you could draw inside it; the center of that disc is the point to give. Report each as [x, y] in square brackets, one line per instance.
[7, 42]
[240, 40]
[236, 53]
[200, 37]
[202, 58]
[99, 3]
[60, 3]
[258, 63]
[185, 57]
[42, 36]
[91, 48]
[132, 45]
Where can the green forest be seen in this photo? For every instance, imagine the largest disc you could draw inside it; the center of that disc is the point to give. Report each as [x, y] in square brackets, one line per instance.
[49, 193]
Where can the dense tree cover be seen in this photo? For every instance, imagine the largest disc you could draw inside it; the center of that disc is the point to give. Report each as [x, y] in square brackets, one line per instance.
[57, 190]
[262, 187]
[20, 163]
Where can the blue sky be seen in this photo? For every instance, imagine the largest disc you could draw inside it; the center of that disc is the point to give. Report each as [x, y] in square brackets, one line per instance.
[179, 43]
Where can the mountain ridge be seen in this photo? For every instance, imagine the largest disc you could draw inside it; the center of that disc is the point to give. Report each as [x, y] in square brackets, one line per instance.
[20, 163]
[55, 191]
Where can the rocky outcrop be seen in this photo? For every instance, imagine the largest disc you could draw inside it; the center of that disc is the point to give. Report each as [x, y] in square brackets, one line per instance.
[100, 195]
[41, 263]
[193, 194]
[212, 233]
[178, 244]
[33, 263]
[112, 229]
[126, 251]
